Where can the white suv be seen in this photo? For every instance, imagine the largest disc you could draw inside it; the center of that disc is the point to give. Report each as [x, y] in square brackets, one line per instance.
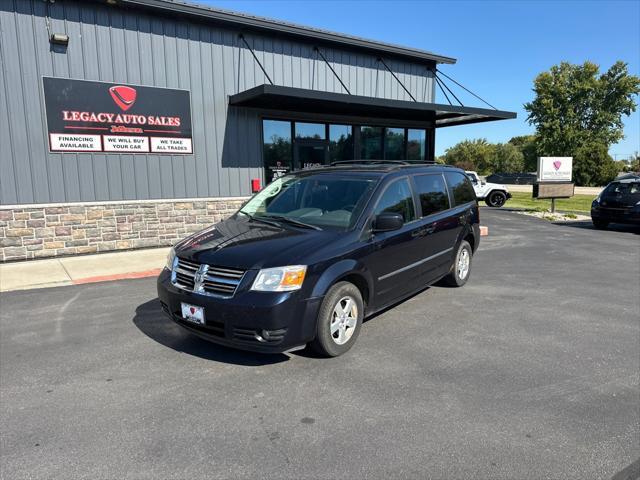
[493, 194]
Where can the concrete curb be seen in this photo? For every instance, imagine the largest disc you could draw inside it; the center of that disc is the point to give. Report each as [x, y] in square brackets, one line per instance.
[81, 270]
[122, 276]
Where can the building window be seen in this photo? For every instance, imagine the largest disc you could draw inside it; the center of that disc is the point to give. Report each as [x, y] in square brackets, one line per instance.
[394, 144]
[371, 143]
[340, 143]
[291, 145]
[310, 131]
[416, 144]
[277, 154]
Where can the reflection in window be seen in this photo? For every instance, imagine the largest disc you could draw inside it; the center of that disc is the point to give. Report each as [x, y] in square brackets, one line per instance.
[370, 143]
[461, 188]
[416, 144]
[313, 131]
[277, 154]
[397, 198]
[340, 143]
[432, 193]
[394, 143]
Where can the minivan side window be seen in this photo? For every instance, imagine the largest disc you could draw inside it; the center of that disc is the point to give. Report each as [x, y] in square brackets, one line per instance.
[461, 188]
[432, 193]
[397, 198]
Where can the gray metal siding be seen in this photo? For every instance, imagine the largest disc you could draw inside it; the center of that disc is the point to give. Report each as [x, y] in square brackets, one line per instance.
[117, 45]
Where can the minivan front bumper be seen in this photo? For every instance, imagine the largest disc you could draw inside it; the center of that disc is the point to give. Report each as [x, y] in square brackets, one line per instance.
[268, 322]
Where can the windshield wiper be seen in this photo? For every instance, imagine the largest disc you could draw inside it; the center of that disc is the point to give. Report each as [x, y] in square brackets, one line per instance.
[293, 221]
[259, 219]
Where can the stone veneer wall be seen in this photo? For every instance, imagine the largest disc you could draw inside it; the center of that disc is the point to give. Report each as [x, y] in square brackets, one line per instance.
[40, 231]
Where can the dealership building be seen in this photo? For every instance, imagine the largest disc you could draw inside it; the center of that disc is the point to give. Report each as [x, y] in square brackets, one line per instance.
[131, 123]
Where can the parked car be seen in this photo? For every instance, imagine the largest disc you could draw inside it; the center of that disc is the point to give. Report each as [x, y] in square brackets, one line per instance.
[522, 178]
[493, 194]
[306, 259]
[619, 202]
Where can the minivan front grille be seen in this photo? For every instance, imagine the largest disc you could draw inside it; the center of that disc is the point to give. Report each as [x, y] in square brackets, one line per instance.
[206, 279]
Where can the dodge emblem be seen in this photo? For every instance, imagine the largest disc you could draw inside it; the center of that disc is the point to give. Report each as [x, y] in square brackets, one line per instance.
[199, 277]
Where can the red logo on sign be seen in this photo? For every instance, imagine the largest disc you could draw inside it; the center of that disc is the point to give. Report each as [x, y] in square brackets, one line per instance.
[123, 96]
[557, 164]
[193, 310]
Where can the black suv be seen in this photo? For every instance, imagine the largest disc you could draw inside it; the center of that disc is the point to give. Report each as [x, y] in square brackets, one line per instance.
[619, 202]
[316, 251]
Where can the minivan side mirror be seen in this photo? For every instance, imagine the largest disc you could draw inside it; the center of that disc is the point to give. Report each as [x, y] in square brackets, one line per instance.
[387, 222]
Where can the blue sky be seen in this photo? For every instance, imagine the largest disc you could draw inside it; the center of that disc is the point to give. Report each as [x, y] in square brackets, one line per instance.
[500, 45]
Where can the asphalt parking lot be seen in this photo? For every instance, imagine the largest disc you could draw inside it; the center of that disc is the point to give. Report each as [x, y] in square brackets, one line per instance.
[532, 370]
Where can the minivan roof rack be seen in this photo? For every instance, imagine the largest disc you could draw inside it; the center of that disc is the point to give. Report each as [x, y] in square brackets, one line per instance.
[380, 162]
[368, 162]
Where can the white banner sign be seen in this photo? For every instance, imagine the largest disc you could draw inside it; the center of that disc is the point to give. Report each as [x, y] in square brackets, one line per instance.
[63, 142]
[555, 169]
[171, 145]
[118, 143]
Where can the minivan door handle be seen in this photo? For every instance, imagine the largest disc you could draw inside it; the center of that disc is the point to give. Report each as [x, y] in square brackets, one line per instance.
[421, 232]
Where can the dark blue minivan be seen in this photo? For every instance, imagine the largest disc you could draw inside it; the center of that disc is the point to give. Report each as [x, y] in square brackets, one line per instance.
[316, 251]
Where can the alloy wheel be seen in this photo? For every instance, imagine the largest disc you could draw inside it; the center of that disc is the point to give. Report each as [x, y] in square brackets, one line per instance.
[464, 261]
[344, 320]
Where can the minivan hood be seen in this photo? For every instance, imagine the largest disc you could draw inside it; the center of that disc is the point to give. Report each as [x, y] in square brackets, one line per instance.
[250, 244]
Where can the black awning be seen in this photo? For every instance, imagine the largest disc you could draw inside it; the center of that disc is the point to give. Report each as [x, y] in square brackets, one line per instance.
[275, 97]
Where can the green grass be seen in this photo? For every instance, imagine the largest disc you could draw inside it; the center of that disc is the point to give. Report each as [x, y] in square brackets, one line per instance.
[577, 203]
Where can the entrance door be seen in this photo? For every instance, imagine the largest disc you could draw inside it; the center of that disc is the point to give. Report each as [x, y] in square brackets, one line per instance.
[310, 154]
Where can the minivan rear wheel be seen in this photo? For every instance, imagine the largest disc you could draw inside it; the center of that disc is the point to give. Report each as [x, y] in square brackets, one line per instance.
[339, 320]
[461, 268]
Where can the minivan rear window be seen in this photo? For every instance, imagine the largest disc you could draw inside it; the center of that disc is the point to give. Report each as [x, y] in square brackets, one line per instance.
[461, 188]
[432, 193]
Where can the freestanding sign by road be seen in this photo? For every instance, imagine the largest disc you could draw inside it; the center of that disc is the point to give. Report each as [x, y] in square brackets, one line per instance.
[87, 116]
[554, 179]
[555, 169]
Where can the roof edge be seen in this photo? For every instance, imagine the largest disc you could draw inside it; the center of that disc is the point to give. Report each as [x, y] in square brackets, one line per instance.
[250, 22]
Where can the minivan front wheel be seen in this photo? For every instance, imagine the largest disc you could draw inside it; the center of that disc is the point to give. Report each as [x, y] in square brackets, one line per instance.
[461, 268]
[339, 320]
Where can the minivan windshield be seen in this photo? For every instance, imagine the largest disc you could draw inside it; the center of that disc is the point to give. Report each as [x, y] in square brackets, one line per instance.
[317, 200]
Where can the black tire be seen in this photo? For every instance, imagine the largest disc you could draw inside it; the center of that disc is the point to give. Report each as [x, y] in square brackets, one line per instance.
[496, 199]
[456, 278]
[326, 343]
[600, 224]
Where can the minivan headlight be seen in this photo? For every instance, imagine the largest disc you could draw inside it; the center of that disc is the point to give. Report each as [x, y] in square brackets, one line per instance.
[280, 279]
[171, 258]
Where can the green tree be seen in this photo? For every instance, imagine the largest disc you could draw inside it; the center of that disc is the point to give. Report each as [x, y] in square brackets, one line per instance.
[578, 112]
[634, 163]
[471, 155]
[506, 159]
[529, 148]
[593, 166]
